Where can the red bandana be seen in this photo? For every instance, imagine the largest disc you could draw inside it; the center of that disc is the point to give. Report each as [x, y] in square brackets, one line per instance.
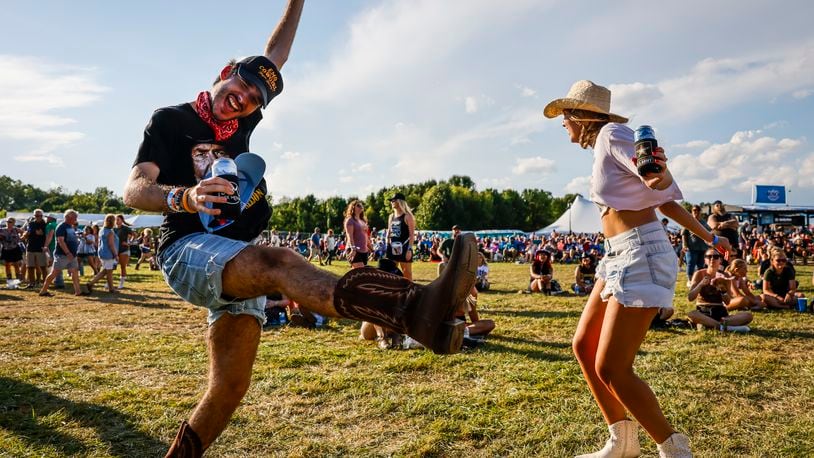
[222, 129]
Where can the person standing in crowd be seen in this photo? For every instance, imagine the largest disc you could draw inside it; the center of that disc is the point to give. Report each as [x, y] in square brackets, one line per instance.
[693, 246]
[123, 232]
[445, 248]
[724, 224]
[145, 245]
[10, 237]
[330, 247]
[108, 254]
[314, 243]
[211, 269]
[67, 244]
[401, 234]
[51, 243]
[36, 259]
[87, 250]
[636, 277]
[357, 234]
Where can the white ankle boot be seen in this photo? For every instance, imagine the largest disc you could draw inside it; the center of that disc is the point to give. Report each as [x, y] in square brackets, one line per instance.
[676, 446]
[623, 442]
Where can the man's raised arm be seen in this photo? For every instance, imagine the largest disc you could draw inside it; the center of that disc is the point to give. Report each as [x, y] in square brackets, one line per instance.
[279, 44]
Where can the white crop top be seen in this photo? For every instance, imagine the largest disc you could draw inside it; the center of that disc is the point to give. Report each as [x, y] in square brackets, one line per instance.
[615, 182]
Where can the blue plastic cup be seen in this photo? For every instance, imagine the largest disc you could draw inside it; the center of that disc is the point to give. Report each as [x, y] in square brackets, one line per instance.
[802, 304]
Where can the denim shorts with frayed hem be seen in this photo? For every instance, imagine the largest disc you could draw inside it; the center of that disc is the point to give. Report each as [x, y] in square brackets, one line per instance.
[640, 267]
[193, 268]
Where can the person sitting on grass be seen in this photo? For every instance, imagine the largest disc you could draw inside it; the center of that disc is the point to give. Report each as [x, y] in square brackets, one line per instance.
[710, 309]
[476, 327]
[779, 284]
[740, 289]
[482, 275]
[584, 276]
[541, 273]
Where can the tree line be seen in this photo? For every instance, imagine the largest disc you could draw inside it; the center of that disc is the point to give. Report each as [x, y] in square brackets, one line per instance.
[18, 196]
[437, 205]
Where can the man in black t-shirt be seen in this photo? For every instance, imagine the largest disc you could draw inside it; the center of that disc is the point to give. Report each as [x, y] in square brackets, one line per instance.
[222, 271]
[724, 224]
[36, 261]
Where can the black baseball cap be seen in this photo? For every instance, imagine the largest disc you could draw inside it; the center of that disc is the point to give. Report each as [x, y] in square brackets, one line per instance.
[717, 202]
[397, 196]
[262, 73]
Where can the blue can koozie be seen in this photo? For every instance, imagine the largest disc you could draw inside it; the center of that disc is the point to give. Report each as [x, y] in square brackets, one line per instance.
[802, 304]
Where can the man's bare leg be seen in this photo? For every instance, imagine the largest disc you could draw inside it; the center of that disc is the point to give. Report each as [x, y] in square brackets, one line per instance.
[232, 343]
[257, 271]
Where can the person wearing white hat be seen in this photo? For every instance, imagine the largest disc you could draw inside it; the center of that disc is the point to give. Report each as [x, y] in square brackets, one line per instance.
[635, 278]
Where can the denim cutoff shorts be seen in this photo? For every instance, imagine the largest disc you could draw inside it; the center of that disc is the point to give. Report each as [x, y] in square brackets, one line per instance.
[640, 267]
[193, 268]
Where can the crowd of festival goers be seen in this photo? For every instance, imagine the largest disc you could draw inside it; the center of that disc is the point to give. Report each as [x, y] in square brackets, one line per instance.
[40, 252]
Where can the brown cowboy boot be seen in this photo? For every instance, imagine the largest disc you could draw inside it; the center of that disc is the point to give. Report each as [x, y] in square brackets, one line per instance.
[187, 444]
[425, 313]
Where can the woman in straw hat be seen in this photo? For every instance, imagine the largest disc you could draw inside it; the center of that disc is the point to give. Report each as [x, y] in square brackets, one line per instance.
[636, 277]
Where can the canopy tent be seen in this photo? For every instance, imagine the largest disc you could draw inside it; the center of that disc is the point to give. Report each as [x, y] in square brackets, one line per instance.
[581, 217]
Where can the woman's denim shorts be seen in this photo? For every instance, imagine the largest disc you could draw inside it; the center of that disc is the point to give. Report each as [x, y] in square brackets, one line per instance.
[193, 268]
[640, 267]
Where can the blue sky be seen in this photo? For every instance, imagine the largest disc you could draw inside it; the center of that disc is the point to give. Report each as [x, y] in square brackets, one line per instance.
[379, 93]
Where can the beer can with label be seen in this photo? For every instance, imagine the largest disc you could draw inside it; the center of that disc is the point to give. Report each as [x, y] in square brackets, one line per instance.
[644, 144]
[226, 168]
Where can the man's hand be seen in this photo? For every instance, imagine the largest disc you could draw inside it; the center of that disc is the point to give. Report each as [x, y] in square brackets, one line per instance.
[205, 191]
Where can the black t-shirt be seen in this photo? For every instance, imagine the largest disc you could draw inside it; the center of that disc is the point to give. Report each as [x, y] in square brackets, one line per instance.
[541, 268]
[168, 141]
[36, 236]
[730, 234]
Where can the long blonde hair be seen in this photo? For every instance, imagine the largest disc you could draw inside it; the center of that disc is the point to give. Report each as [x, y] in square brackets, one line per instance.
[735, 265]
[590, 123]
[403, 206]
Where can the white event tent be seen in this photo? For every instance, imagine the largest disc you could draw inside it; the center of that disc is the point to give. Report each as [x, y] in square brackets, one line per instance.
[582, 217]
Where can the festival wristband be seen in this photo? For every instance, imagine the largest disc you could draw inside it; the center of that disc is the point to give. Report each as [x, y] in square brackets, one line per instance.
[714, 240]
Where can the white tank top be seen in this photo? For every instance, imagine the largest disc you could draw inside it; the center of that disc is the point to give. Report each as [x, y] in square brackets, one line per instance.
[615, 182]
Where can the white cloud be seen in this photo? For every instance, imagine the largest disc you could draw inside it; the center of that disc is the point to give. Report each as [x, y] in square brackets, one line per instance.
[802, 93]
[366, 167]
[34, 95]
[471, 104]
[537, 164]
[526, 91]
[715, 84]
[749, 158]
[579, 185]
[692, 144]
[292, 177]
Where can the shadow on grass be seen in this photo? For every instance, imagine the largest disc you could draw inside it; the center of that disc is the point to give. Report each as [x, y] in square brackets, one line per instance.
[23, 404]
[536, 314]
[6, 297]
[539, 350]
[138, 300]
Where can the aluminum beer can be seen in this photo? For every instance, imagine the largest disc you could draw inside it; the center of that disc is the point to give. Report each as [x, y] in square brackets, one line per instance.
[644, 144]
[226, 168]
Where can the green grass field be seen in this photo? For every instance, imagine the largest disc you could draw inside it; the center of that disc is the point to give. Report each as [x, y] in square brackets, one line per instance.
[115, 375]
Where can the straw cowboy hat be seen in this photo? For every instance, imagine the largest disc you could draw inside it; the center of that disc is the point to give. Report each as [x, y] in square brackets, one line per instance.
[584, 95]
